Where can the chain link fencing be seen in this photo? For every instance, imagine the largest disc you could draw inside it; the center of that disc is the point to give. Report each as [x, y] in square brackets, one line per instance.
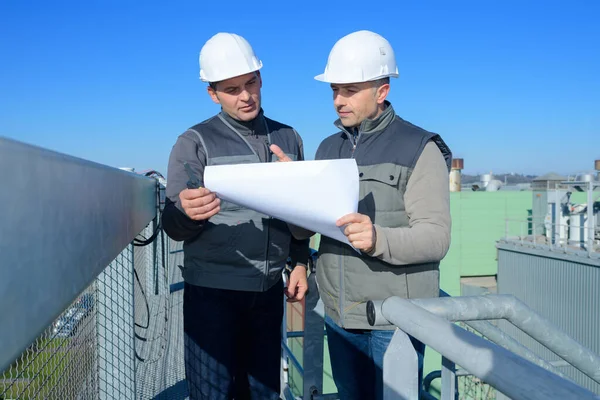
[121, 338]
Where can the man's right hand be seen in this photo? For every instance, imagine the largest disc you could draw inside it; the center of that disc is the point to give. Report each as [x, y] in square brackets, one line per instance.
[199, 204]
[279, 153]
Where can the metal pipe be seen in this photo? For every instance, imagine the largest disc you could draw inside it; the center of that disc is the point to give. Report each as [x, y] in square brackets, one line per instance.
[555, 339]
[502, 339]
[293, 358]
[504, 370]
[502, 306]
[468, 308]
[560, 363]
[428, 396]
[449, 381]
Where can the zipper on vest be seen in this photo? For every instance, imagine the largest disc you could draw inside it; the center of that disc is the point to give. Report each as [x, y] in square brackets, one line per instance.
[267, 225]
[355, 140]
[342, 303]
[268, 222]
[342, 290]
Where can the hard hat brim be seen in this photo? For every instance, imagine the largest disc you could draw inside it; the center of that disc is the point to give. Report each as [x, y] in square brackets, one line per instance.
[322, 78]
[227, 76]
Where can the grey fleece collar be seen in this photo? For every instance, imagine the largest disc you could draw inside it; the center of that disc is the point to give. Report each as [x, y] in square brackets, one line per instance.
[371, 125]
[252, 127]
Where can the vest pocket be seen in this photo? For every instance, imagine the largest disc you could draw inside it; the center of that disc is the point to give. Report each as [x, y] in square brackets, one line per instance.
[230, 240]
[379, 188]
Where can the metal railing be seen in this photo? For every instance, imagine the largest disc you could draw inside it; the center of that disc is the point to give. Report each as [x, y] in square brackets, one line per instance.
[430, 321]
[553, 236]
[481, 351]
[89, 313]
[68, 269]
[310, 367]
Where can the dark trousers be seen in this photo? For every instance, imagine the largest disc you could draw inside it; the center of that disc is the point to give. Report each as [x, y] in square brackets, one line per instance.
[232, 342]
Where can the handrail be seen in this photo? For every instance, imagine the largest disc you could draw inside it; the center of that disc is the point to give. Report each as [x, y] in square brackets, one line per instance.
[502, 306]
[292, 357]
[504, 370]
[64, 221]
[496, 335]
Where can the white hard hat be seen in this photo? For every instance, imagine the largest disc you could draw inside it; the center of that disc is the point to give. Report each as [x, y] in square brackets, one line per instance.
[227, 55]
[360, 57]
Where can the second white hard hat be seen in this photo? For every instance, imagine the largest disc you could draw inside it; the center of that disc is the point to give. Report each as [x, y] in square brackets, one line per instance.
[227, 55]
[360, 57]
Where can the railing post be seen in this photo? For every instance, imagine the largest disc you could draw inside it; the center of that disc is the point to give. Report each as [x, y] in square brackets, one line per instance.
[449, 391]
[312, 348]
[400, 369]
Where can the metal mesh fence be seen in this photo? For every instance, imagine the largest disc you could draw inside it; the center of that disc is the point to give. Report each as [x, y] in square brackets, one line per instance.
[122, 338]
[116, 377]
[86, 353]
[61, 363]
[159, 321]
[472, 388]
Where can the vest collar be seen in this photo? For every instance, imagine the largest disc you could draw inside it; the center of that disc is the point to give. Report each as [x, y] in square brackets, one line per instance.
[255, 126]
[371, 125]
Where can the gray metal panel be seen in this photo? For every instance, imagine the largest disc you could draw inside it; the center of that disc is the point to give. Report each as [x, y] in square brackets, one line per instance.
[62, 221]
[565, 289]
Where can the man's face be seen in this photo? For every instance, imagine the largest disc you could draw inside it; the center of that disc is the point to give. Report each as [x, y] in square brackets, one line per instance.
[239, 96]
[355, 102]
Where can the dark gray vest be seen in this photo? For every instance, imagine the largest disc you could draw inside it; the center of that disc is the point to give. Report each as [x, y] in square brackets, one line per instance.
[239, 249]
[385, 160]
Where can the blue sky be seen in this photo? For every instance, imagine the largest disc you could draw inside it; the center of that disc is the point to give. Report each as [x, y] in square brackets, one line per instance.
[512, 86]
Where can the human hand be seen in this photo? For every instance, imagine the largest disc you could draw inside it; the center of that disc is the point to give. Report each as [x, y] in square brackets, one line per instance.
[297, 284]
[279, 153]
[199, 204]
[359, 230]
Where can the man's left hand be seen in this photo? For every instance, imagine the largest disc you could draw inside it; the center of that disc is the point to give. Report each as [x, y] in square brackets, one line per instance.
[359, 231]
[297, 284]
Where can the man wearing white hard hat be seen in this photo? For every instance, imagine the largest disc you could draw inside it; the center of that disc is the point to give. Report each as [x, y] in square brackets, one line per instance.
[233, 256]
[402, 227]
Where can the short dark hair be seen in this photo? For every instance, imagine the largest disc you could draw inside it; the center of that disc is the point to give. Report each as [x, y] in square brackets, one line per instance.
[381, 81]
[213, 85]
